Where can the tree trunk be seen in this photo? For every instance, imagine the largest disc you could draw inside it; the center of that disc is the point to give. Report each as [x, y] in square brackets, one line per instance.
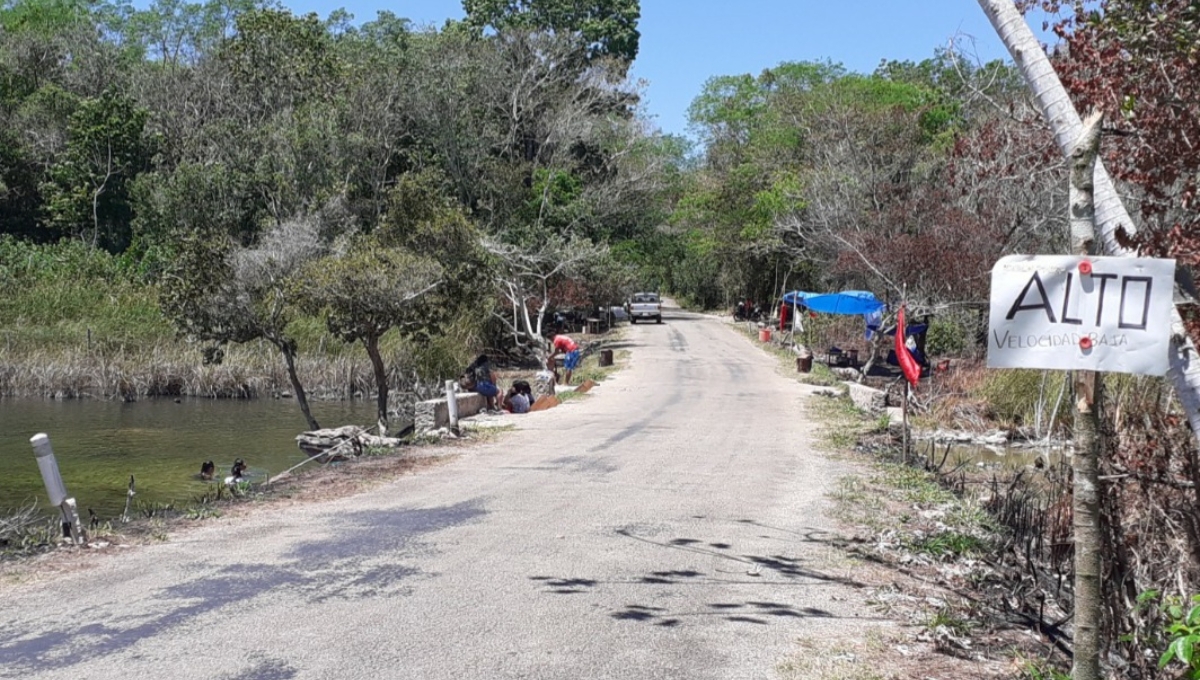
[1085, 462]
[289, 356]
[1110, 213]
[381, 383]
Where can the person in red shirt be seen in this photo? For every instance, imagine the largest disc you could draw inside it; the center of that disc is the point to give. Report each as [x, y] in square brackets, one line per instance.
[564, 345]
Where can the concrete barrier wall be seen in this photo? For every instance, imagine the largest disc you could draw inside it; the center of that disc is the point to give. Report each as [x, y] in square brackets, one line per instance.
[435, 413]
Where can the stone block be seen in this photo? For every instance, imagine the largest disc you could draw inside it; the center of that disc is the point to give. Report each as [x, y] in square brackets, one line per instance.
[435, 413]
[866, 398]
[543, 384]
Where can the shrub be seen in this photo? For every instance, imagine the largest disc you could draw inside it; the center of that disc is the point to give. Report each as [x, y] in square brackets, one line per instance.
[945, 336]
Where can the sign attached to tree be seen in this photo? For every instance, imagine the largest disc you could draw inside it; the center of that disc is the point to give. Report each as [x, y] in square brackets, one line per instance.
[1089, 313]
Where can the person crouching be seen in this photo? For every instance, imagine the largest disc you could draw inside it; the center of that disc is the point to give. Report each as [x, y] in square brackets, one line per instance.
[480, 371]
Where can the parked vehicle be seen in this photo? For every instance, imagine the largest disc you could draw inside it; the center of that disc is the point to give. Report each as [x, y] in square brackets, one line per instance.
[644, 306]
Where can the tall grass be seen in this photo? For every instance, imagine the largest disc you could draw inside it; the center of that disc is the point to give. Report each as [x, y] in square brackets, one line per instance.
[77, 322]
[972, 397]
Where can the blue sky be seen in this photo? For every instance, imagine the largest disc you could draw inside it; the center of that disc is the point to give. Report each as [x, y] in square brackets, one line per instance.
[685, 42]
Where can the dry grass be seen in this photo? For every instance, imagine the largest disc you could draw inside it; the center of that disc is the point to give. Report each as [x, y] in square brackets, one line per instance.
[176, 369]
[818, 660]
[953, 397]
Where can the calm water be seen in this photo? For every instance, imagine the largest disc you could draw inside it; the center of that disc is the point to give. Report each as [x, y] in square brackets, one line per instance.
[992, 456]
[98, 444]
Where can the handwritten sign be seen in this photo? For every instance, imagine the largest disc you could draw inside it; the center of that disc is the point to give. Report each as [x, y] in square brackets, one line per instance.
[1089, 313]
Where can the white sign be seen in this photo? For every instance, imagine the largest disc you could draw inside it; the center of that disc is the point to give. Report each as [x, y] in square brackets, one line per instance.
[1090, 313]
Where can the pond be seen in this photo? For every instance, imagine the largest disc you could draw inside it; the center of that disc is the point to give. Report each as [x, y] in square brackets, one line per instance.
[99, 444]
[997, 457]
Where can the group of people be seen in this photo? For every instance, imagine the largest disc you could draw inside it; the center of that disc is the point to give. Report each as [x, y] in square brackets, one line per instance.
[747, 310]
[479, 377]
[236, 473]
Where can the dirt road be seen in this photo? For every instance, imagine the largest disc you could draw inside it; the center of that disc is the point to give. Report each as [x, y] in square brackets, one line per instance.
[670, 525]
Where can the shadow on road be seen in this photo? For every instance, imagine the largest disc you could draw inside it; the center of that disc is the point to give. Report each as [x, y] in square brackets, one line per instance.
[359, 560]
[741, 569]
[753, 611]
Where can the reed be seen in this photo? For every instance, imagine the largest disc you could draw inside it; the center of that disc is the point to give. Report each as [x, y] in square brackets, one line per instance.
[174, 369]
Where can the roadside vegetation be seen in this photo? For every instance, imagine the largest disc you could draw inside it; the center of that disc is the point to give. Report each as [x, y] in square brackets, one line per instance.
[976, 559]
[924, 538]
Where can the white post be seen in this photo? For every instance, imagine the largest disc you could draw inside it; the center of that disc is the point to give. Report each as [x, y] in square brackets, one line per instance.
[48, 466]
[71, 513]
[452, 404]
[55, 489]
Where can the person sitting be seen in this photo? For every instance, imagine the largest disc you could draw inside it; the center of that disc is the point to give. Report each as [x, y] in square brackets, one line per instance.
[516, 401]
[480, 372]
[564, 345]
[207, 470]
[519, 397]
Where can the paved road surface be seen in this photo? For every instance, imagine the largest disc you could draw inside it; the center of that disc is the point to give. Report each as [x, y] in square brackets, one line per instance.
[669, 526]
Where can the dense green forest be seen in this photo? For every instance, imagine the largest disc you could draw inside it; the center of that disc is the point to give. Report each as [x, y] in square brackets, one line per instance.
[250, 178]
[491, 170]
[226, 179]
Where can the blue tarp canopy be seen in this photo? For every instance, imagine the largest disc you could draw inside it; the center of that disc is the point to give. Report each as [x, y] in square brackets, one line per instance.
[856, 302]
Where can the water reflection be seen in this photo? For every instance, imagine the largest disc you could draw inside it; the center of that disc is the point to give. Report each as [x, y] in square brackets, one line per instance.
[1006, 457]
[98, 444]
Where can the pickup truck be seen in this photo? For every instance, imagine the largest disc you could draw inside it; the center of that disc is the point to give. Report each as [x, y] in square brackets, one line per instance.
[644, 306]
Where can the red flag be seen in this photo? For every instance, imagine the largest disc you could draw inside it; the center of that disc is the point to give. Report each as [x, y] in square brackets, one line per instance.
[908, 364]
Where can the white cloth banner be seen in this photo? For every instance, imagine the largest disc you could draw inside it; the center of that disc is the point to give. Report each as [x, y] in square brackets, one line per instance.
[1088, 313]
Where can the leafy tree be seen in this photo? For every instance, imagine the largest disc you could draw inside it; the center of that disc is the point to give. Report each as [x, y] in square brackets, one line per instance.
[175, 33]
[366, 292]
[279, 61]
[88, 188]
[607, 27]
[423, 218]
[19, 195]
[813, 175]
[217, 292]
[211, 199]
[377, 141]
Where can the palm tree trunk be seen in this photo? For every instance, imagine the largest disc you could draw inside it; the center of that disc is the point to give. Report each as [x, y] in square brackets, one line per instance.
[1085, 462]
[1064, 120]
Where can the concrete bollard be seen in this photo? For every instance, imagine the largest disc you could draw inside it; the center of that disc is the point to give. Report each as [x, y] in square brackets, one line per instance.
[452, 404]
[72, 527]
[55, 489]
